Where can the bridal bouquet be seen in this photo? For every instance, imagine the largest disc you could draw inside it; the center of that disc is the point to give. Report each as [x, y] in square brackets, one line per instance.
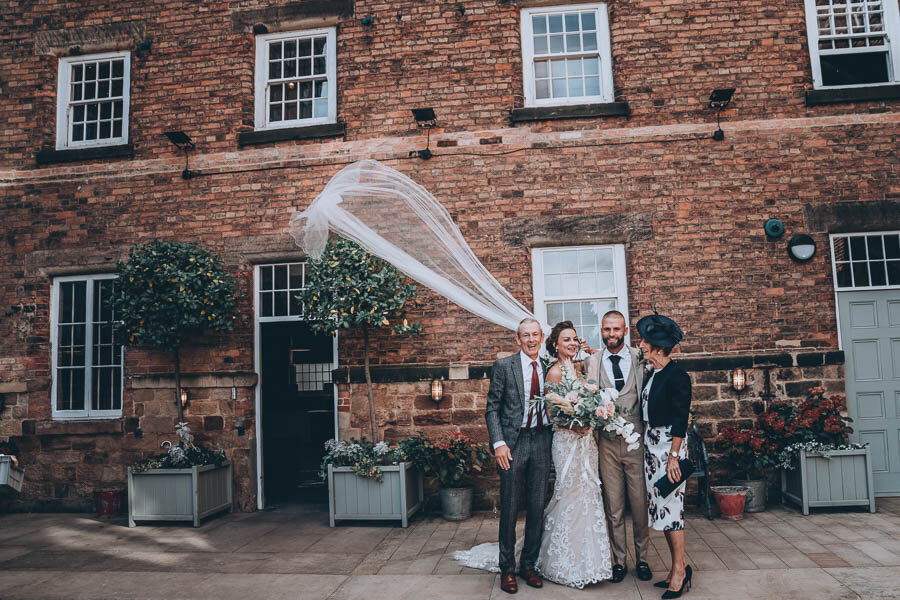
[575, 402]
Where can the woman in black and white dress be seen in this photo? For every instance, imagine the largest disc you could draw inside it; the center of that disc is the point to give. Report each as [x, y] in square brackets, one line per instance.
[666, 403]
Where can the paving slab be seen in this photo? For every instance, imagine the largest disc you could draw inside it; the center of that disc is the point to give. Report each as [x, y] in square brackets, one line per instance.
[416, 587]
[870, 583]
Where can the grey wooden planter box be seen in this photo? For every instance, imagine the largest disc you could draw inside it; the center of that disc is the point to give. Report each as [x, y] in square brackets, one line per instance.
[178, 494]
[843, 479]
[351, 497]
[10, 478]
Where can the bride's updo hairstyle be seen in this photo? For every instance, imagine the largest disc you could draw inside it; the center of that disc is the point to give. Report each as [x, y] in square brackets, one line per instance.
[554, 336]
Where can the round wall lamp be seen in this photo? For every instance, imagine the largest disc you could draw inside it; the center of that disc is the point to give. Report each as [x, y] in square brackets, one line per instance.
[437, 390]
[801, 247]
[774, 228]
[738, 380]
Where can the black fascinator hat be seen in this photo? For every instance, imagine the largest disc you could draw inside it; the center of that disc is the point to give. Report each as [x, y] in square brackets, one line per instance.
[659, 330]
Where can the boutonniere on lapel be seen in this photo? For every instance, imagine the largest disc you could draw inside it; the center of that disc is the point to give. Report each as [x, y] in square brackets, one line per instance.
[648, 368]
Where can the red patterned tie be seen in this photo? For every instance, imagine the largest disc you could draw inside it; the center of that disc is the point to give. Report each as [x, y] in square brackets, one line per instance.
[535, 391]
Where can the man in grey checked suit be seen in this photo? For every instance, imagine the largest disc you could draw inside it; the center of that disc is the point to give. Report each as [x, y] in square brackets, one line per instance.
[622, 472]
[520, 439]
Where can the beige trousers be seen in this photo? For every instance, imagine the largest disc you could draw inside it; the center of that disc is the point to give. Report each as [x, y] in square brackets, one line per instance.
[622, 472]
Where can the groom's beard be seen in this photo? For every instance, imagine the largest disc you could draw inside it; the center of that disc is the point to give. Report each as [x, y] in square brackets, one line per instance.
[612, 343]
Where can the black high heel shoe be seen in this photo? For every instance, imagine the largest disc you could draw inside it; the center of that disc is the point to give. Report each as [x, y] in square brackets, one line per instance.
[685, 585]
[662, 584]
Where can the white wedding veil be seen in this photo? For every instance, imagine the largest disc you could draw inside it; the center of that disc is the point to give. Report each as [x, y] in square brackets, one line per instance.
[393, 217]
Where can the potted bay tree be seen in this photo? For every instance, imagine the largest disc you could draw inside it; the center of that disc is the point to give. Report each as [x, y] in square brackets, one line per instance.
[165, 293]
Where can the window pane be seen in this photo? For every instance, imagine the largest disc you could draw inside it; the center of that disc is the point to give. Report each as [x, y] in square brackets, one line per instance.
[320, 108]
[77, 133]
[77, 72]
[556, 23]
[104, 70]
[586, 261]
[76, 91]
[541, 69]
[591, 66]
[542, 88]
[554, 313]
[556, 44]
[296, 276]
[280, 277]
[587, 285]
[275, 93]
[539, 24]
[305, 110]
[319, 66]
[319, 46]
[572, 22]
[305, 47]
[588, 21]
[295, 307]
[305, 89]
[265, 304]
[90, 131]
[576, 87]
[559, 88]
[893, 270]
[290, 91]
[274, 50]
[106, 110]
[540, 44]
[873, 243]
[117, 128]
[843, 275]
[265, 278]
[321, 89]
[892, 246]
[570, 284]
[572, 312]
[290, 68]
[860, 274]
[118, 68]
[606, 283]
[275, 70]
[854, 69]
[604, 259]
[573, 42]
[280, 304]
[553, 262]
[290, 48]
[591, 86]
[275, 112]
[290, 111]
[90, 71]
[574, 67]
[105, 130]
[877, 273]
[858, 248]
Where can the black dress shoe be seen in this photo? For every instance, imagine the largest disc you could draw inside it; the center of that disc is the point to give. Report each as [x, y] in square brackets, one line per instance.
[643, 571]
[618, 574]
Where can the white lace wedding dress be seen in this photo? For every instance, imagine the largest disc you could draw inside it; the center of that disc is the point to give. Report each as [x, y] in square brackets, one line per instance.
[574, 545]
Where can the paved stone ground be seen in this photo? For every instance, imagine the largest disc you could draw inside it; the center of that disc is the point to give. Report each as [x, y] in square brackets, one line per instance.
[292, 553]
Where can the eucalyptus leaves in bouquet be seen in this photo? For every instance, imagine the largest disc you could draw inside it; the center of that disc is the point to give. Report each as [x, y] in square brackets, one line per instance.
[364, 456]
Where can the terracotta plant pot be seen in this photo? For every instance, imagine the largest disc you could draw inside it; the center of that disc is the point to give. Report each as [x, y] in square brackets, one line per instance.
[730, 499]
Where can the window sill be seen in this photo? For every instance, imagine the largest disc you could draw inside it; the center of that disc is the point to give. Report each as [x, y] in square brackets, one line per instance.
[249, 138]
[861, 94]
[577, 111]
[49, 157]
[79, 427]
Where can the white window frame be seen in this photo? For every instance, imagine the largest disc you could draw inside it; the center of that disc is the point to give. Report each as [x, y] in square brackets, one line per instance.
[620, 280]
[603, 50]
[63, 99]
[258, 319]
[892, 30]
[831, 239]
[261, 112]
[87, 413]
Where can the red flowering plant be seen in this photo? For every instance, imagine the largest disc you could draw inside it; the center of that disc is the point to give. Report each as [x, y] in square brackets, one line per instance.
[451, 457]
[819, 425]
[749, 452]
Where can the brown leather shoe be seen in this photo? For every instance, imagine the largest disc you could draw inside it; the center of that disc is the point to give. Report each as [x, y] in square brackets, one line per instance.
[508, 583]
[532, 578]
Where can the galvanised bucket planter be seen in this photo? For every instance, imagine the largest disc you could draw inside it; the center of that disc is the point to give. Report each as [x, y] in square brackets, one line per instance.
[842, 478]
[179, 494]
[351, 497]
[456, 503]
[756, 497]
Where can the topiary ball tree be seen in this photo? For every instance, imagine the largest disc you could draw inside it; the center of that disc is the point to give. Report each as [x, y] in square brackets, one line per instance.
[167, 291]
[349, 288]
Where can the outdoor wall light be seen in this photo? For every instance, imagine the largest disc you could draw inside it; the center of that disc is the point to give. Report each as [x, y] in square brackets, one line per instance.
[437, 390]
[774, 228]
[801, 248]
[183, 142]
[367, 21]
[718, 100]
[738, 380]
[424, 118]
[185, 398]
[143, 49]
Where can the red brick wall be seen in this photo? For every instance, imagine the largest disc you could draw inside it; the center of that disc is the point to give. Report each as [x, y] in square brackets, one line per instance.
[688, 209]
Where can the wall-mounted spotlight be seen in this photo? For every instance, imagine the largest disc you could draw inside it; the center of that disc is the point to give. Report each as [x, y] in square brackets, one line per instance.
[718, 100]
[437, 390]
[143, 49]
[425, 118]
[367, 21]
[801, 248]
[183, 142]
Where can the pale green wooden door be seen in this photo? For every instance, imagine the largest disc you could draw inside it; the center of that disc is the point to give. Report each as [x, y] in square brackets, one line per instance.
[870, 335]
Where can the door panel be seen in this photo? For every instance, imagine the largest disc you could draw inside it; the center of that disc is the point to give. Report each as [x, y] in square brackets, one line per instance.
[870, 334]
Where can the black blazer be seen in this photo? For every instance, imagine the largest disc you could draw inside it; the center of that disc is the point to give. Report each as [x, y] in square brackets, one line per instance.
[669, 402]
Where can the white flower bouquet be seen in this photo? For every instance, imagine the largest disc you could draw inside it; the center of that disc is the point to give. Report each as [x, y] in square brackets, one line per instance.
[576, 402]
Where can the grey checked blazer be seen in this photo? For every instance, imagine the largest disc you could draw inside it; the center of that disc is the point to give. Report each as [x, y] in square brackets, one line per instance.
[506, 400]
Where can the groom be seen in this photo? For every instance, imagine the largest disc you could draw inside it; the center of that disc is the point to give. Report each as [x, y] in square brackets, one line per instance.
[622, 472]
[520, 438]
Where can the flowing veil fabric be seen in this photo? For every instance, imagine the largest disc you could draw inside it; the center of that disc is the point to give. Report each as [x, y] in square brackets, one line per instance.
[393, 217]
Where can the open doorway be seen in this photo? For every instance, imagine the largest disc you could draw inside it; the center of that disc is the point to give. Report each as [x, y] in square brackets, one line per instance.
[297, 398]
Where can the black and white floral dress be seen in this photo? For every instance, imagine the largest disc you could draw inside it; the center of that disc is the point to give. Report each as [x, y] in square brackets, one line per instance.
[666, 514]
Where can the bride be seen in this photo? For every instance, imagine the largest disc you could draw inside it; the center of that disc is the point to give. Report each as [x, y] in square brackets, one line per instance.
[574, 544]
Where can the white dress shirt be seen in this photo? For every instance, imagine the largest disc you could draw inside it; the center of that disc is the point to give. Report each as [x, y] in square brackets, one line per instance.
[624, 364]
[527, 370]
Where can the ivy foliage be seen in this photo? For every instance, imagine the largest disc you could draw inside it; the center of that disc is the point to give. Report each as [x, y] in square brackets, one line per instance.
[168, 290]
[348, 287]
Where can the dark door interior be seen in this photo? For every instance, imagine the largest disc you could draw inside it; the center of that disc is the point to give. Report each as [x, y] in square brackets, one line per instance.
[297, 410]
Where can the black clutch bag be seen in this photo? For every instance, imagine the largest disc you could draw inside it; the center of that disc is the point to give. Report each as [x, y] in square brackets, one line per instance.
[666, 487]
